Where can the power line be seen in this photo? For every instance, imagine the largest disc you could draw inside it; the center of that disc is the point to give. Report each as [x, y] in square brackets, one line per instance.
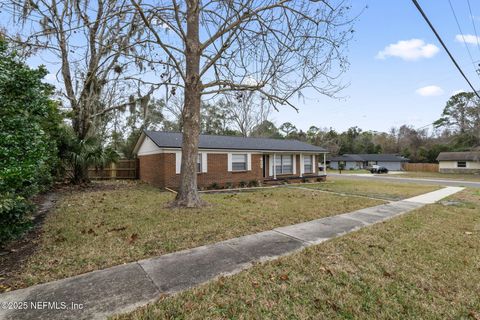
[462, 35]
[477, 39]
[419, 8]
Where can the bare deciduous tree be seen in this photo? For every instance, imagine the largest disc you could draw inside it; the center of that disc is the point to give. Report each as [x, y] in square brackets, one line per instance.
[274, 47]
[94, 43]
[247, 110]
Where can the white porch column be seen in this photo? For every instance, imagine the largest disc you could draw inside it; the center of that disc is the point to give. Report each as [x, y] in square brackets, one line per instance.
[325, 163]
[294, 164]
[302, 167]
[274, 166]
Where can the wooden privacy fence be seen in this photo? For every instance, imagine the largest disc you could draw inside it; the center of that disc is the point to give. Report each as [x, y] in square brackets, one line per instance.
[425, 167]
[122, 169]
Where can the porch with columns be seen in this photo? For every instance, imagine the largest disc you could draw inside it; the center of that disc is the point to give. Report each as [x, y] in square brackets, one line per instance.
[288, 165]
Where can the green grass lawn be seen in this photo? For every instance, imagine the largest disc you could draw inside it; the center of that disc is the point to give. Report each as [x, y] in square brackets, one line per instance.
[384, 190]
[422, 265]
[438, 175]
[98, 229]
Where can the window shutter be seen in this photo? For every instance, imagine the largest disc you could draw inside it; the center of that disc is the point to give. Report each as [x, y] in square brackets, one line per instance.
[249, 161]
[229, 162]
[294, 164]
[302, 165]
[178, 161]
[204, 162]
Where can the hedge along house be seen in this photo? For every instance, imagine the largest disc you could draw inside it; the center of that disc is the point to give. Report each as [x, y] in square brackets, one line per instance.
[459, 162]
[392, 162]
[227, 160]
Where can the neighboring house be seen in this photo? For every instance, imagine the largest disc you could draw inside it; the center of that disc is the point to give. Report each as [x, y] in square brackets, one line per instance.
[392, 162]
[459, 162]
[227, 160]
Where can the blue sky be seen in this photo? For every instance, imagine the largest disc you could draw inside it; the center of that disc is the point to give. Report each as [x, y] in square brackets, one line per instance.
[383, 92]
[399, 74]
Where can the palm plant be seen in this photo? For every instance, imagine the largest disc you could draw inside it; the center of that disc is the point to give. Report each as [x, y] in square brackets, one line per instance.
[79, 155]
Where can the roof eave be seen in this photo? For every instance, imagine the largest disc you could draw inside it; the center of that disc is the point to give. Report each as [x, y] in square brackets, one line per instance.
[250, 149]
[139, 142]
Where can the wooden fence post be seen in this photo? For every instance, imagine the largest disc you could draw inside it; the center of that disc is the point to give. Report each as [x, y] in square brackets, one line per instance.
[113, 170]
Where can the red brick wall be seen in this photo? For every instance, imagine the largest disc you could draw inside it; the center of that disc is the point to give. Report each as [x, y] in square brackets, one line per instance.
[159, 170]
[151, 168]
[217, 172]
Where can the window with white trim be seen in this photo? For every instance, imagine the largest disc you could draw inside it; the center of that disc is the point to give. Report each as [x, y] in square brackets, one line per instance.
[284, 164]
[307, 164]
[239, 162]
[199, 163]
[461, 164]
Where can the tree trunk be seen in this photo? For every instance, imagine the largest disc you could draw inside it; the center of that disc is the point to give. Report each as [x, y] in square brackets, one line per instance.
[188, 194]
[80, 129]
[80, 175]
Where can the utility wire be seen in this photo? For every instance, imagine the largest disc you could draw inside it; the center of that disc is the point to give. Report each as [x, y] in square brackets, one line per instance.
[419, 8]
[477, 39]
[462, 35]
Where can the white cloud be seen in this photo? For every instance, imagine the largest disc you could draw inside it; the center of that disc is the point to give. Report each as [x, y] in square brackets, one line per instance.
[457, 92]
[429, 91]
[467, 38]
[161, 24]
[409, 50]
[250, 81]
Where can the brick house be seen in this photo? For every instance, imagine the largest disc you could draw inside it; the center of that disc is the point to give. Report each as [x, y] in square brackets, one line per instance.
[227, 160]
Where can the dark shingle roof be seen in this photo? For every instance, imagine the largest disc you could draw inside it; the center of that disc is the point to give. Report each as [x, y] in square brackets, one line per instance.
[459, 156]
[370, 157]
[174, 140]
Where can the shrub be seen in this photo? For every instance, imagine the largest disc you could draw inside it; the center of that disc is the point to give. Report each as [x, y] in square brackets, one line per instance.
[79, 155]
[229, 185]
[253, 183]
[214, 186]
[242, 184]
[29, 127]
[12, 216]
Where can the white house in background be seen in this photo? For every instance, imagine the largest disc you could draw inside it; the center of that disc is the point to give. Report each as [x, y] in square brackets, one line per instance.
[392, 162]
[457, 162]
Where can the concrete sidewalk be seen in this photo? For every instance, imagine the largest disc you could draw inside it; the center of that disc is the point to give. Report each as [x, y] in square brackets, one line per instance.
[99, 294]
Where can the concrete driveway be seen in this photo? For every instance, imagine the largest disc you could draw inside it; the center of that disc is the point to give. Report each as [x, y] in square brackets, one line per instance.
[387, 178]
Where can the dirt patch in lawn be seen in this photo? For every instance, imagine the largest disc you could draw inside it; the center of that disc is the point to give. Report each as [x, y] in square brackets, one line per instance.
[18, 251]
[422, 265]
[98, 229]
